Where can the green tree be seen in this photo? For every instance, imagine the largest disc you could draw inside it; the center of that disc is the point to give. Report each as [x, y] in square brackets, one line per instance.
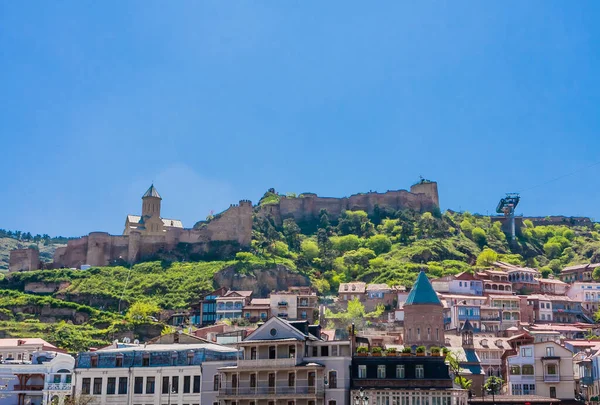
[355, 314]
[359, 257]
[545, 271]
[479, 236]
[310, 250]
[291, 232]
[140, 311]
[487, 257]
[322, 286]
[379, 244]
[356, 223]
[345, 243]
[454, 365]
[493, 385]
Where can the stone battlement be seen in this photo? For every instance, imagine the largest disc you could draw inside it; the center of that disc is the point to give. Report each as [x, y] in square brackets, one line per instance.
[422, 197]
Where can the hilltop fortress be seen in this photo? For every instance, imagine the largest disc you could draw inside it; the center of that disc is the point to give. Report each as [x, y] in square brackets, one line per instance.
[149, 236]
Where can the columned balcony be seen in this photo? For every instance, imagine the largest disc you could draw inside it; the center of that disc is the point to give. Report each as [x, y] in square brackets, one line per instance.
[270, 392]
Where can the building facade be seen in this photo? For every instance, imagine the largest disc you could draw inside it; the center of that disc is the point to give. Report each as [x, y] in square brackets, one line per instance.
[150, 374]
[423, 315]
[286, 363]
[543, 368]
[45, 379]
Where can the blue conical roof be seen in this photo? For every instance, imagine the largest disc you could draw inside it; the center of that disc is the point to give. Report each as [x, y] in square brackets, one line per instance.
[422, 292]
[151, 192]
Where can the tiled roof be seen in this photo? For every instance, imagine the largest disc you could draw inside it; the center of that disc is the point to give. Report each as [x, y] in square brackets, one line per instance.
[550, 280]
[13, 342]
[260, 301]
[422, 292]
[359, 287]
[378, 287]
[151, 192]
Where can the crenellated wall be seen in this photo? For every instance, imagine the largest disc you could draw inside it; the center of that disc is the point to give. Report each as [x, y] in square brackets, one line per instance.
[24, 260]
[101, 249]
[421, 197]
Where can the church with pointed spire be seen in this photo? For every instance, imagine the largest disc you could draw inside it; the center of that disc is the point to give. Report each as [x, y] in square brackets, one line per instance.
[150, 222]
[423, 315]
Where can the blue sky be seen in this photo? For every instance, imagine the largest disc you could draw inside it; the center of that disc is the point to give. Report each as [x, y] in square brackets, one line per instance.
[218, 103]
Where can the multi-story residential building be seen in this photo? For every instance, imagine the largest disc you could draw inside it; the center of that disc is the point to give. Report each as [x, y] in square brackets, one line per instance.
[287, 363]
[509, 306]
[349, 291]
[23, 349]
[538, 309]
[552, 286]
[523, 279]
[544, 369]
[495, 282]
[45, 379]
[566, 310]
[462, 283]
[204, 313]
[151, 374]
[259, 309]
[461, 308]
[380, 294]
[297, 303]
[579, 272]
[398, 380]
[231, 304]
[586, 293]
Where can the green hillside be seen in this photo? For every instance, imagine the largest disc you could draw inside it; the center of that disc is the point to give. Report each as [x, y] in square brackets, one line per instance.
[389, 247]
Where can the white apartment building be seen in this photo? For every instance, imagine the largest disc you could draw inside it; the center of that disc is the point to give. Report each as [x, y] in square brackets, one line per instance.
[44, 379]
[154, 374]
[544, 369]
[587, 293]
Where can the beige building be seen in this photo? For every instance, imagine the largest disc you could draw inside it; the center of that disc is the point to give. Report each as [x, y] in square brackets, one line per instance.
[150, 222]
[287, 363]
[543, 368]
[297, 303]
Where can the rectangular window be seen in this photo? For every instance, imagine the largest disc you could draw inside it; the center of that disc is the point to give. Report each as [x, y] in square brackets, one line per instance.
[187, 383]
[146, 360]
[111, 386]
[196, 384]
[292, 351]
[399, 371]
[94, 361]
[526, 352]
[334, 351]
[165, 385]
[381, 371]
[253, 353]
[85, 386]
[549, 351]
[362, 371]
[551, 369]
[175, 385]
[119, 361]
[138, 385]
[324, 351]
[428, 334]
[97, 386]
[216, 383]
[291, 379]
[122, 385]
[272, 353]
[419, 371]
[552, 392]
[418, 333]
[150, 385]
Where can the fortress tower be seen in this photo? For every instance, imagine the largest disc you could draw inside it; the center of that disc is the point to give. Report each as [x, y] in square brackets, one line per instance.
[150, 222]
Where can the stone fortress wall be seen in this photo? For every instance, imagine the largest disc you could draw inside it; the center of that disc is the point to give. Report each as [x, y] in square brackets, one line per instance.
[421, 197]
[233, 227]
[101, 249]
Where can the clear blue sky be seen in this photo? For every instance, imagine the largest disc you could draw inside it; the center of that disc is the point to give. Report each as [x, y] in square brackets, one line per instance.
[217, 103]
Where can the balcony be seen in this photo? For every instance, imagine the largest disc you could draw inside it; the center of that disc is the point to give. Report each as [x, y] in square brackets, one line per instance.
[586, 380]
[490, 318]
[267, 363]
[464, 317]
[29, 388]
[282, 304]
[303, 304]
[552, 378]
[58, 386]
[262, 392]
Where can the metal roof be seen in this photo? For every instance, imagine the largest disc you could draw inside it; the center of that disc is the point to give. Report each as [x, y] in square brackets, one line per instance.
[151, 192]
[422, 292]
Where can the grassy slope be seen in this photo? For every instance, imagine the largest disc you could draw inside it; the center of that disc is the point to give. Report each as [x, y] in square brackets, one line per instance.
[8, 244]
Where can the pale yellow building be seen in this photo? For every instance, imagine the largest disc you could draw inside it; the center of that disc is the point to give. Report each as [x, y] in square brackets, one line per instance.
[543, 368]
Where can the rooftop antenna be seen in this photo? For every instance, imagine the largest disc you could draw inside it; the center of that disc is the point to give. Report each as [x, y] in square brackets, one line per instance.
[507, 206]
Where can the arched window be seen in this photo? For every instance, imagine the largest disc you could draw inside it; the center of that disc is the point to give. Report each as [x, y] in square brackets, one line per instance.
[333, 379]
[527, 369]
[515, 370]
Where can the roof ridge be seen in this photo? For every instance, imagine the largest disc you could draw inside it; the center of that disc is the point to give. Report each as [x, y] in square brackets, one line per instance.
[422, 292]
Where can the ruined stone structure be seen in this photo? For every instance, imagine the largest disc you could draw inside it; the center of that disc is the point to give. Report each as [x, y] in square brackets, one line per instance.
[149, 236]
[422, 196]
[24, 260]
